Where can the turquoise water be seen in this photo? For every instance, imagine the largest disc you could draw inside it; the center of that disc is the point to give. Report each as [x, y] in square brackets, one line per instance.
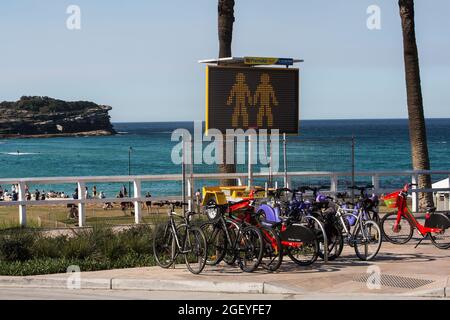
[322, 146]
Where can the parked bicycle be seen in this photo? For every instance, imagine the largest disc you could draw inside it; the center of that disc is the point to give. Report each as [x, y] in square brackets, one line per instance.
[358, 228]
[233, 238]
[285, 215]
[346, 222]
[172, 239]
[398, 227]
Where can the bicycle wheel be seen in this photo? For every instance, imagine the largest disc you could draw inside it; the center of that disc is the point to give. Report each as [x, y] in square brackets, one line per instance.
[196, 250]
[399, 234]
[216, 241]
[367, 240]
[441, 222]
[374, 216]
[231, 253]
[250, 247]
[441, 239]
[335, 243]
[164, 246]
[305, 253]
[273, 251]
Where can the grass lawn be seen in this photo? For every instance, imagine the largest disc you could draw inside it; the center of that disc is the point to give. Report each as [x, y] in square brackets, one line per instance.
[56, 216]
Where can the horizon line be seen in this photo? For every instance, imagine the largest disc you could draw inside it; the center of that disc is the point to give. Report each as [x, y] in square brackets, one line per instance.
[339, 119]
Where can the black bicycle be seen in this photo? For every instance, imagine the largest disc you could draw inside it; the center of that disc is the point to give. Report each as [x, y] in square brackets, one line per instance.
[172, 239]
[230, 240]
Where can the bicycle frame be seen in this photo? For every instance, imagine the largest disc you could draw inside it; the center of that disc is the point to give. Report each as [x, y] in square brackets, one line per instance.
[173, 227]
[403, 211]
[222, 223]
[341, 212]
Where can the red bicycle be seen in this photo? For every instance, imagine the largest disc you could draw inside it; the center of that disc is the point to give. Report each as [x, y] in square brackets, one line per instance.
[398, 227]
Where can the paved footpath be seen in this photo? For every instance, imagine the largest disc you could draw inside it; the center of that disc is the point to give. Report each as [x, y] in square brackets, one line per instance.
[404, 272]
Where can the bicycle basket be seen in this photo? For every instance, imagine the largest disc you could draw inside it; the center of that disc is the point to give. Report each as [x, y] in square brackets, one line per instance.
[390, 200]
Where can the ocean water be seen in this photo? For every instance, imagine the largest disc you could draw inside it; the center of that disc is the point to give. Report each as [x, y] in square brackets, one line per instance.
[321, 146]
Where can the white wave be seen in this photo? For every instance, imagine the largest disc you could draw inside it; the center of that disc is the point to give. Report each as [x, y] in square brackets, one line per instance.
[19, 153]
[442, 142]
[122, 132]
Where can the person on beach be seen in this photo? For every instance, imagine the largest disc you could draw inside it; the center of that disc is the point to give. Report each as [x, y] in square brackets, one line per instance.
[148, 204]
[73, 211]
[198, 199]
[75, 194]
[123, 205]
[106, 205]
[94, 192]
[37, 194]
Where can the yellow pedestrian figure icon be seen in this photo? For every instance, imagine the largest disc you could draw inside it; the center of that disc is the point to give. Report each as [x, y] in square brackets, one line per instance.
[241, 93]
[265, 93]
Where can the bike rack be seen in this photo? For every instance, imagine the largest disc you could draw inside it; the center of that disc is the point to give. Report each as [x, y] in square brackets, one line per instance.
[325, 240]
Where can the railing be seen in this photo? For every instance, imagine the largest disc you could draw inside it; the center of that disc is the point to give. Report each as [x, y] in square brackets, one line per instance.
[190, 179]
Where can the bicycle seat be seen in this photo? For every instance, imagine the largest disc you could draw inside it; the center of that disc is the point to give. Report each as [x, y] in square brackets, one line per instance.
[431, 209]
[188, 214]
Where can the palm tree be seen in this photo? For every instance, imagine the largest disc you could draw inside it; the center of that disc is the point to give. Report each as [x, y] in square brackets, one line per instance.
[225, 30]
[417, 129]
[225, 27]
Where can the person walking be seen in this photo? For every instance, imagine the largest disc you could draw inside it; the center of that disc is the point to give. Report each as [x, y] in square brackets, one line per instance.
[148, 204]
[198, 200]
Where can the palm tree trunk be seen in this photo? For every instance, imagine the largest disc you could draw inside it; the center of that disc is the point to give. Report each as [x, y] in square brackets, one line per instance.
[225, 27]
[417, 129]
[225, 30]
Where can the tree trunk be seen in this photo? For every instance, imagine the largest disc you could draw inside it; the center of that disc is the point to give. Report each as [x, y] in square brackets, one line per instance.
[225, 27]
[417, 129]
[225, 30]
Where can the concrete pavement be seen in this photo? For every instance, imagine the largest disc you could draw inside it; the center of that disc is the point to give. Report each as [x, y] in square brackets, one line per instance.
[92, 294]
[399, 271]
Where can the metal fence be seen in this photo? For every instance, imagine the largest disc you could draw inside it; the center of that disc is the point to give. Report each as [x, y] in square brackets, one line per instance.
[191, 180]
[291, 161]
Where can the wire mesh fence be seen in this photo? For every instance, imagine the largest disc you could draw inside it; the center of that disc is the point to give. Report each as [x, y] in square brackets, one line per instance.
[276, 158]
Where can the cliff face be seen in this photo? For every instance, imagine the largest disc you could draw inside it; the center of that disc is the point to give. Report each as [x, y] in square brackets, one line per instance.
[44, 116]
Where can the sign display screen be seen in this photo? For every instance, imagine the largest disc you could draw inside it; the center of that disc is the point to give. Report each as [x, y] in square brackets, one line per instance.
[252, 97]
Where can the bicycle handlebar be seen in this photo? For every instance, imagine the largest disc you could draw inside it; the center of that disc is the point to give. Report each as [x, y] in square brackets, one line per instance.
[172, 203]
[354, 187]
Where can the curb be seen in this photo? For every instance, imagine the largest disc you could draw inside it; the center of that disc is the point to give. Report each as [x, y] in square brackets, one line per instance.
[183, 285]
[187, 285]
[431, 293]
[269, 287]
[151, 285]
[57, 283]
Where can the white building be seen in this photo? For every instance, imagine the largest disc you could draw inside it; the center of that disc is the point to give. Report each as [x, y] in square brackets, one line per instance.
[442, 198]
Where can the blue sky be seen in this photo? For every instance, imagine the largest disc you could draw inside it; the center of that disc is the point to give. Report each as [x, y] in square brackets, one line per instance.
[141, 57]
